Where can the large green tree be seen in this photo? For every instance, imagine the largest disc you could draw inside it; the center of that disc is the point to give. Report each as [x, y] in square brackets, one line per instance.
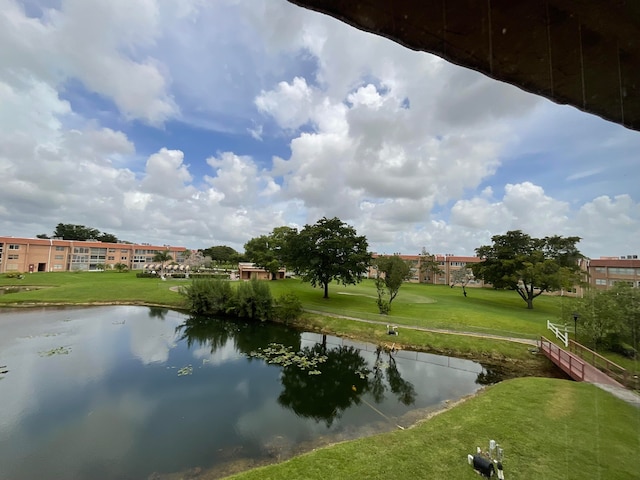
[392, 271]
[328, 250]
[269, 251]
[530, 266]
[221, 254]
[610, 318]
[68, 231]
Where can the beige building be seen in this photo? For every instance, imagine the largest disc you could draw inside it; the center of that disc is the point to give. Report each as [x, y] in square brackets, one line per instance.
[30, 255]
[605, 272]
[249, 271]
[448, 264]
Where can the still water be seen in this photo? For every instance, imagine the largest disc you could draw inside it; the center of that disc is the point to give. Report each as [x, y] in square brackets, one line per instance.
[146, 393]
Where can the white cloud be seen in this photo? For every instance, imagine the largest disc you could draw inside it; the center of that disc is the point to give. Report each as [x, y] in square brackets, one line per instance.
[97, 43]
[409, 149]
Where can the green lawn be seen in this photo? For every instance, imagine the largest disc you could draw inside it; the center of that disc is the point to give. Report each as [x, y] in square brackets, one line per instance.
[91, 287]
[550, 429]
[437, 306]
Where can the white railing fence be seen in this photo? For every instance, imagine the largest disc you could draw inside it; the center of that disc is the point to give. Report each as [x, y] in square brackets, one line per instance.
[560, 331]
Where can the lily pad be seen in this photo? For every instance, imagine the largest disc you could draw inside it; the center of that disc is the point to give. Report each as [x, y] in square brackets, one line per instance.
[55, 351]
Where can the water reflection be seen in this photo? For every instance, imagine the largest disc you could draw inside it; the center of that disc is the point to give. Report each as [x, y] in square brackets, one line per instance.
[115, 407]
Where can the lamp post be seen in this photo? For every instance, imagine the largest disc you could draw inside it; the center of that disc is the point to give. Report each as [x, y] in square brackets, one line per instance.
[575, 325]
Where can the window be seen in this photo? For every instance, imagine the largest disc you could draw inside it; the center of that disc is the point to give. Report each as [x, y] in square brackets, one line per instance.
[601, 281]
[13, 257]
[80, 250]
[57, 267]
[13, 246]
[59, 257]
[112, 250]
[111, 257]
[59, 249]
[621, 271]
[601, 270]
[123, 258]
[124, 250]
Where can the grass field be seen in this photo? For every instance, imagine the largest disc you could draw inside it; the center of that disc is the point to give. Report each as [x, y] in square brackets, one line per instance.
[551, 429]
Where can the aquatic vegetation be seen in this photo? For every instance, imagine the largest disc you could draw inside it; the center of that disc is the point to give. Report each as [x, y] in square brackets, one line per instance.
[277, 354]
[55, 351]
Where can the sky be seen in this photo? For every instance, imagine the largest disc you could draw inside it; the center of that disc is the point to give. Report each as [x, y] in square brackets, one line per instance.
[199, 123]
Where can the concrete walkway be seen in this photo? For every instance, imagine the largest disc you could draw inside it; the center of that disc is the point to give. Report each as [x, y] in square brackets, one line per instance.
[622, 393]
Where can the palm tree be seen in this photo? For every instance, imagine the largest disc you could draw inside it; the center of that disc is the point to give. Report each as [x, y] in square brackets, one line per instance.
[162, 257]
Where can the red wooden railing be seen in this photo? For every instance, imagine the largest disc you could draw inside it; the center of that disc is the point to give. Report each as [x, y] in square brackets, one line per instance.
[569, 363]
[601, 363]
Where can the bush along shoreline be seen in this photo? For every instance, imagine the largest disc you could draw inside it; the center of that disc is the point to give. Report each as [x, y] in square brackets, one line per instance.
[248, 301]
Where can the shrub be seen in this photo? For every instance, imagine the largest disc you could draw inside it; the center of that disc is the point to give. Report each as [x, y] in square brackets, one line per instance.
[253, 301]
[146, 275]
[209, 296]
[625, 349]
[14, 275]
[287, 307]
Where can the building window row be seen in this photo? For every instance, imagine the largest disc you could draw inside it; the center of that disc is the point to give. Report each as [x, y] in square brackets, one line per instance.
[13, 256]
[621, 271]
[14, 246]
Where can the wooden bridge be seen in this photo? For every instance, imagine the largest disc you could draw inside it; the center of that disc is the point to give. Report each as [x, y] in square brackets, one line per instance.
[574, 364]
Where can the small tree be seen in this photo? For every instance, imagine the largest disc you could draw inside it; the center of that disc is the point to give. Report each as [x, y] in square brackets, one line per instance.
[461, 276]
[163, 257]
[429, 266]
[120, 267]
[392, 271]
[287, 307]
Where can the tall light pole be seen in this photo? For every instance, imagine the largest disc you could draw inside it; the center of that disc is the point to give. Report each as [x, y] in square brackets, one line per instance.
[575, 325]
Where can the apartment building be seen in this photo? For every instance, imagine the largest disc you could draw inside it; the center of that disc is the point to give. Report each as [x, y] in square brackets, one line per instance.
[448, 264]
[30, 255]
[605, 272]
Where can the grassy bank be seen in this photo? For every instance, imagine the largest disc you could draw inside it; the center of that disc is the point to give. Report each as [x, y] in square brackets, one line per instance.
[91, 287]
[551, 429]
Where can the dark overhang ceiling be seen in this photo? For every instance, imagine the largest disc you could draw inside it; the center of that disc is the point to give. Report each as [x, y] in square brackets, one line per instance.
[584, 53]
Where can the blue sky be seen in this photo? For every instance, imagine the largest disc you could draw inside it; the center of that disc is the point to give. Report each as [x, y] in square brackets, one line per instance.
[201, 123]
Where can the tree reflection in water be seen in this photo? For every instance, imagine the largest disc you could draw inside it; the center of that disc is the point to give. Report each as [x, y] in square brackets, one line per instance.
[344, 375]
[158, 312]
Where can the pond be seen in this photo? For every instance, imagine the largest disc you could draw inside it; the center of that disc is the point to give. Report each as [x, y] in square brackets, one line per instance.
[137, 393]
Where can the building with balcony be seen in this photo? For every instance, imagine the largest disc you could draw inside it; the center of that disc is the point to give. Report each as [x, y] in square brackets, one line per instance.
[57, 255]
